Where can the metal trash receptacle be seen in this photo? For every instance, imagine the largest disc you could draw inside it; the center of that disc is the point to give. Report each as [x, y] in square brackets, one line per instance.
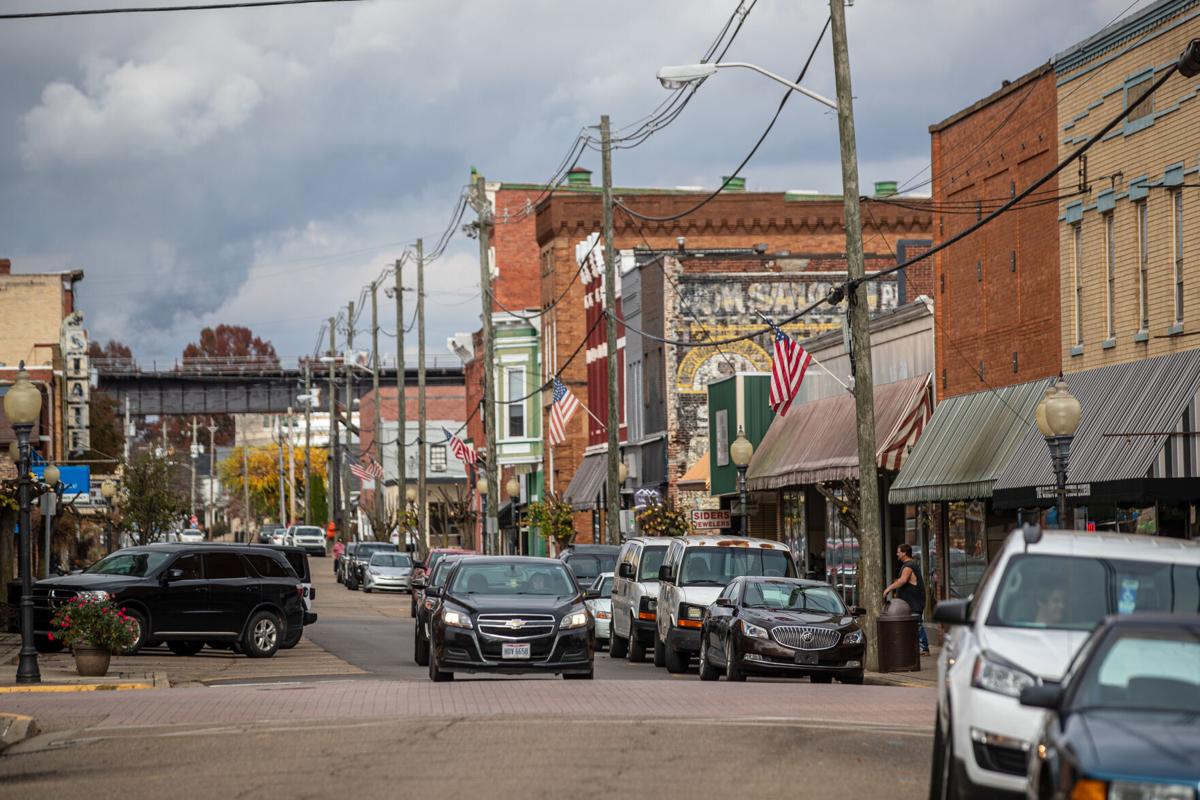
[896, 633]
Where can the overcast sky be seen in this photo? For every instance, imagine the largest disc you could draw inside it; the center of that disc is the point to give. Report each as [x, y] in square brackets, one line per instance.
[258, 167]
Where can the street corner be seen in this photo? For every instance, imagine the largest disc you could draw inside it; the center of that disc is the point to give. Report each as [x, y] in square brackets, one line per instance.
[15, 728]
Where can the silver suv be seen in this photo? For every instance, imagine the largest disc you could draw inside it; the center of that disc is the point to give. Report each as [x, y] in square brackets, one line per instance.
[635, 596]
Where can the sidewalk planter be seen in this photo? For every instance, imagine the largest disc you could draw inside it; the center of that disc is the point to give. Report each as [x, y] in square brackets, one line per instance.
[91, 661]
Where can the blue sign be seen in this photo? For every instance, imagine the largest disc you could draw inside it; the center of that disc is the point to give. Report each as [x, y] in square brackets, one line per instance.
[76, 479]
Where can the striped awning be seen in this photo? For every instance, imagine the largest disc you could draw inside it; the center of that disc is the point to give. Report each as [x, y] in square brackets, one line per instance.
[583, 492]
[1129, 412]
[818, 441]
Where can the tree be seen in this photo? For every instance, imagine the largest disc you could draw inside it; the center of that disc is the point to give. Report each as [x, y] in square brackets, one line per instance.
[554, 519]
[264, 477]
[386, 517]
[108, 438]
[153, 502]
[664, 519]
[113, 349]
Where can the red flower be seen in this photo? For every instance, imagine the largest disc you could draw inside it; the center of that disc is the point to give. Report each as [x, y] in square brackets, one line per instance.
[50, 636]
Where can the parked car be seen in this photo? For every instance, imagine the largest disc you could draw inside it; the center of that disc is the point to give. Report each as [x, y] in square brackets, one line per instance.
[343, 563]
[1125, 721]
[1039, 601]
[598, 600]
[421, 570]
[191, 536]
[785, 627]
[278, 535]
[427, 606]
[694, 571]
[510, 614]
[356, 562]
[586, 561]
[298, 559]
[310, 537]
[388, 572]
[635, 597]
[188, 595]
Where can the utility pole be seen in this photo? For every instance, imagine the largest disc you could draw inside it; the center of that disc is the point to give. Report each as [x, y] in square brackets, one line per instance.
[279, 444]
[291, 471]
[349, 406]
[869, 536]
[129, 430]
[401, 406]
[612, 497]
[422, 506]
[376, 433]
[194, 454]
[333, 471]
[246, 487]
[308, 404]
[211, 511]
[482, 206]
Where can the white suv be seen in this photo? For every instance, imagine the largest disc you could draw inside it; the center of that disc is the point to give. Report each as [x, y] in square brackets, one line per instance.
[694, 571]
[635, 596]
[1034, 607]
[310, 537]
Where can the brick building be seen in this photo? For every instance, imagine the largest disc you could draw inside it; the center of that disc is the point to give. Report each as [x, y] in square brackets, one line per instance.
[997, 293]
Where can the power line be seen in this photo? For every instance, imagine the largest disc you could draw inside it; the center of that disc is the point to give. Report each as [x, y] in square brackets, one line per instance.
[91, 12]
[557, 300]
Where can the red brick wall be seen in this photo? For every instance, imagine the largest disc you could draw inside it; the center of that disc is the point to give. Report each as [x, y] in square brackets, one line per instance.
[515, 284]
[985, 310]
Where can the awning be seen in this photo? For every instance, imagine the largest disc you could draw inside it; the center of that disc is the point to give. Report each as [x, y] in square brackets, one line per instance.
[696, 477]
[817, 441]
[967, 444]
[1128, 412]
[583, 492]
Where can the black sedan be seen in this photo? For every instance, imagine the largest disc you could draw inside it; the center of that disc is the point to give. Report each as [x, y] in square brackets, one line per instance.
[509, 614]
[1125, 721]
[783, 627]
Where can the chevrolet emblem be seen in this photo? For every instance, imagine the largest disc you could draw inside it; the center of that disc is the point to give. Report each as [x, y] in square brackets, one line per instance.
[515, 624]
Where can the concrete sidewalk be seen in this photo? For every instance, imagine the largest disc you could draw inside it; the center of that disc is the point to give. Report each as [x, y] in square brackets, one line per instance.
[925, 678]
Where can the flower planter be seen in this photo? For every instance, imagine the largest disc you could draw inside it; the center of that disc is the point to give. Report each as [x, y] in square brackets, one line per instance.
[91, 661]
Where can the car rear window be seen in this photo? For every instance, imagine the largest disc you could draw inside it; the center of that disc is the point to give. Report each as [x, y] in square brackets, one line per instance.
[267, 567]
[299, 562]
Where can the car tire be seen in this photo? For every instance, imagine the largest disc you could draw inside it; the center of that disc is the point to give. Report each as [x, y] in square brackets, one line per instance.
[44, 645]
[707, 671]
[420, 650]
[367, 588]
[733, 671]
[637, 648]
[675, 661]
[263, 635]
[943, 783]
[185, 648]
[143, 638]
[660, 656]
[618, 646]
[436, 675]
[337, 576]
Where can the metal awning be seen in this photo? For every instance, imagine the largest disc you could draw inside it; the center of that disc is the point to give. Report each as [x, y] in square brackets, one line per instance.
[583, 492]
[967, 444]
[1129, 412]
[817, 441]
[696, 477]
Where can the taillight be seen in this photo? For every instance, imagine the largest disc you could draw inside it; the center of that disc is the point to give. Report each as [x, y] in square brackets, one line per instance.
[300, 590]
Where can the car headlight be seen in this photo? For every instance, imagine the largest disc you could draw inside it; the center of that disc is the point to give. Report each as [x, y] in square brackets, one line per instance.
[1130, 790]
[753, 631]
[853, 637]
[1000, 677]
[95, 595]
[576, 619]
[373, 572]
[456, 619]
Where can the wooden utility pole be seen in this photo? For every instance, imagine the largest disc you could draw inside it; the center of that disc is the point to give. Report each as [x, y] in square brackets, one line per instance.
[612, 509]
[282, 491]
[422, 505]
[483, 207]
[307, 443]
[210, 514]
[194, 454]
[401, 411]
[349, 509]
[246, 488]
[291, 471]
[869, 530]
[376, 433]
[333, 471]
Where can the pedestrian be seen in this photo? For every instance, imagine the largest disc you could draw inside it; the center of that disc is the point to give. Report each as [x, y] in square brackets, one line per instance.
[909, 588]
[338, 549]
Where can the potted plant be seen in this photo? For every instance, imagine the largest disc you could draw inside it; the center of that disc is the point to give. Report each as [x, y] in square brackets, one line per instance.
[94, 630]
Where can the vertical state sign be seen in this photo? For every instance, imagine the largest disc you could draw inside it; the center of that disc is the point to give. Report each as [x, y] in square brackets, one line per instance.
[77, 380]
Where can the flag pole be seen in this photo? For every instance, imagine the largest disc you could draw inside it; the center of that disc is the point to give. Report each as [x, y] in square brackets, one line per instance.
[810, 355]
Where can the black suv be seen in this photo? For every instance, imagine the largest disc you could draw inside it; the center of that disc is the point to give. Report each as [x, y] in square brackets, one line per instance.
[355, 560]
[427, 605]
[589, 560]
[188, 596]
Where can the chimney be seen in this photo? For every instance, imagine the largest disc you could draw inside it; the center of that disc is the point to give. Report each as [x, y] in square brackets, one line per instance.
[579, 176]
[5, 266]
[885, 188]
[733, 184]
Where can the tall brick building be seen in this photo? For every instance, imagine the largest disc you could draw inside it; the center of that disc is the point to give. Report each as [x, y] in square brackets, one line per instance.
[997, 294]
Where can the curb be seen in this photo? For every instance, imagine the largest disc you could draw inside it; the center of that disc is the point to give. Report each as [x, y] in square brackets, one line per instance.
[60, 688]
[892, 679]
[15, 728]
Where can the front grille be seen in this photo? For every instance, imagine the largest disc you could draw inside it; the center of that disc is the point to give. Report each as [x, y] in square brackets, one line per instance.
[1009, 760]
[806, 637]
[51, 598]
[516, 627]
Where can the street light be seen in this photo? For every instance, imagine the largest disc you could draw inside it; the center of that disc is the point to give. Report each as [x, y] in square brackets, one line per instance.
[481, 486]
[677, 77]
[740, 453]
[410, 494]
[23, 406]
[513, 487]
[108, 490]
[1058, 418]
[50, 500]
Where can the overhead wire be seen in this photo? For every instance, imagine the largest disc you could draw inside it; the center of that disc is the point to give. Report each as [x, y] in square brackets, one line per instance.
[91, 12]
[531, 317]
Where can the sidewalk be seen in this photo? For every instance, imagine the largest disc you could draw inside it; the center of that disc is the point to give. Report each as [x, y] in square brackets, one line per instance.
[926, 678]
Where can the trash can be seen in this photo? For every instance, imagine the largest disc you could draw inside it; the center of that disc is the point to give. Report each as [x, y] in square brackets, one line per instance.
[896, 633]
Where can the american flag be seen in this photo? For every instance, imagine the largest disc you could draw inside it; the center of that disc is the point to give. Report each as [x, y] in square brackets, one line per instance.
[562, 409]
[462, 451]
[366, 470]
[787, 370]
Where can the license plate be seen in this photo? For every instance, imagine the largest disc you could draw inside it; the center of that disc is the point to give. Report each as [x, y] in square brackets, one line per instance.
[514, 650]
[806, 658]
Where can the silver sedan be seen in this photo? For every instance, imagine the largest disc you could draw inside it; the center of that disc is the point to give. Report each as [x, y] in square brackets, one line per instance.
[388, 571]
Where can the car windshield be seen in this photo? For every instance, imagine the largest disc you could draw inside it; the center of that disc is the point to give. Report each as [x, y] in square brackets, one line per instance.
[652, 558]
[391, 560]
[514, 578]
[1156, 669]
[793, 597]
[137, 564]
[717, 566]
[192, 532]
[366, 549]
[1070, 593]
[308, 530]
[587, 566]
[441, 571]
[603, 587]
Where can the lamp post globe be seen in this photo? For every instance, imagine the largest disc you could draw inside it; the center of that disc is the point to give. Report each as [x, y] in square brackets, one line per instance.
[622, 472]
[1058, 415]
[740, 453]
[1063, 411]
[23, 402]
[513, 487]
[481, 486]
[410, 494]
[108, 490]
[52, 475]
[14, 451]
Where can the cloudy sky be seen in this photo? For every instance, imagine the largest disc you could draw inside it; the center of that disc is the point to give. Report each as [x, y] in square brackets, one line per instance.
[258, 167]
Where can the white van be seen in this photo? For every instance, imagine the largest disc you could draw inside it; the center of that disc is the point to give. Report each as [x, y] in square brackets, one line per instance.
[635, 596]
[694, 571]
[1038, 601]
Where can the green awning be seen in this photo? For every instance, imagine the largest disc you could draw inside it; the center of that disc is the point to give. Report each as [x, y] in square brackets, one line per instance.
[967, 444]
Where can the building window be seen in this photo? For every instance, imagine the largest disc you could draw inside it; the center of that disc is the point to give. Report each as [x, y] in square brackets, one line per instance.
[1143, 268]
[1077, 268]
[1177, 228]
[516, 410]
[437, 458]
[1133, 91]
[1110, 275]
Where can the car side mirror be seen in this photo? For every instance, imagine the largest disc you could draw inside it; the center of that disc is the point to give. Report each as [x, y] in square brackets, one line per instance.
[726, 602]
[419, 582]
[590, 594]
[666, 574]
[1047, 695]
[625, 571]
[172, 575]
[858, 611]
[433, 591]
[953, 612]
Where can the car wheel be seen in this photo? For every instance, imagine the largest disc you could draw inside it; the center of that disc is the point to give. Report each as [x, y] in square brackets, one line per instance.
[617, 645]
[412, 609]
[142, 638]
[676, 662]
[367, 588]
[337, 576]
[820, 678]
[733, 671]
[707, 671]
[637, 648]
[185, 648]
[421, 650]
[263, 635]
[660, 655]
[943, 784]
[44, 645]
[436, 675]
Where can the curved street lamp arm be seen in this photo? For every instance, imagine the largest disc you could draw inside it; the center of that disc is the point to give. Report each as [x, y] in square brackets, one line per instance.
[779, 78]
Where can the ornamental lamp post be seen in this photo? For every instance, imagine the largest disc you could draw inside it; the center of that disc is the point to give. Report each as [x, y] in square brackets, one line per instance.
[740, 452]
[513, 489]
[108, 490]
[23, 406]
[1058, 416]
[50, 499]
[481, 486]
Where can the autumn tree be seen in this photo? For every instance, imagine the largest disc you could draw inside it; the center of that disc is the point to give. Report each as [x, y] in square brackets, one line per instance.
[112, 349]
[264, 478]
